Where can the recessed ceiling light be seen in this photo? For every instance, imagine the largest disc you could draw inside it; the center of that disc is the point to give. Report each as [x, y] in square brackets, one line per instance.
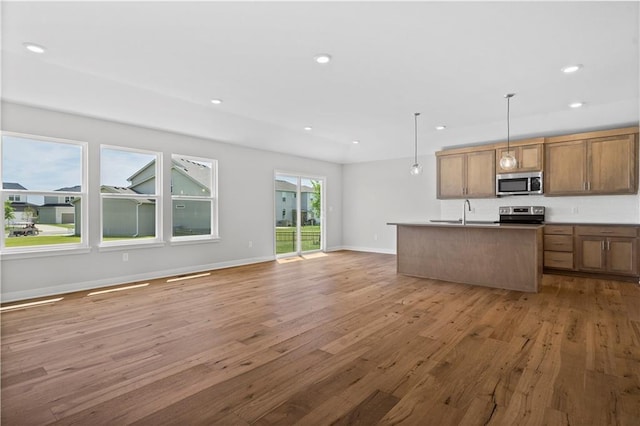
[216, 101]
[308, 128]
[356, 142]
[569, 69]
[441, 127]
[323, 58]
[35, 48]
[576, 104]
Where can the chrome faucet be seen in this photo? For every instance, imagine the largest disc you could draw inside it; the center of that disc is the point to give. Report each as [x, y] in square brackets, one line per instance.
[464, 211]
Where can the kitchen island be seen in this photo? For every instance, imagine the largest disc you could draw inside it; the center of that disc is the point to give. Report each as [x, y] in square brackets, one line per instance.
[491, 255]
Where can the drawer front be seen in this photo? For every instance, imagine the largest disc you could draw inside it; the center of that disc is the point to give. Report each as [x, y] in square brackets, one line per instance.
[607, 231]
[558, 229]
[558, 242]
[558, 260]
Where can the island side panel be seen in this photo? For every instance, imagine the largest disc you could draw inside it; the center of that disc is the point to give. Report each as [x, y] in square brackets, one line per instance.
[500, 257]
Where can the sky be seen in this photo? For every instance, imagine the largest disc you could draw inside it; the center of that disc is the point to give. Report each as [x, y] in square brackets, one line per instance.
[42, 166]
[48, 166]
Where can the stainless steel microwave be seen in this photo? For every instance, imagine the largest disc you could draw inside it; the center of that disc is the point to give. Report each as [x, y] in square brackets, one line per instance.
[519, 183]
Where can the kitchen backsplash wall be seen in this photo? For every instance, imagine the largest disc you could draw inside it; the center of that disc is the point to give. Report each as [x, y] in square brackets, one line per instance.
[591, 209]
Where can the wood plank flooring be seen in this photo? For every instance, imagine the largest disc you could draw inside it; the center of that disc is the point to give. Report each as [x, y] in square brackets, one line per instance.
[338, 339]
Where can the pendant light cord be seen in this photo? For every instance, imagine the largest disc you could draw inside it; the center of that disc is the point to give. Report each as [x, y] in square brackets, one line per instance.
[508, 125]
[508, 96]
[415, 119]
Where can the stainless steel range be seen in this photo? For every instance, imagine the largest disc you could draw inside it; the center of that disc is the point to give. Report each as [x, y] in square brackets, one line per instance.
[522, 214]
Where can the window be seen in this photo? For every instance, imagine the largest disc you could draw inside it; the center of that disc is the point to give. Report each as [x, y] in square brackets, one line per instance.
[193, 197]
[34, 171]
[130, 196]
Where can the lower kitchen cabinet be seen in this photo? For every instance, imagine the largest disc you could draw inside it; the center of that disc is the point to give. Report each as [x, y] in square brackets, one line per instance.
[612, 250]
[558, 247]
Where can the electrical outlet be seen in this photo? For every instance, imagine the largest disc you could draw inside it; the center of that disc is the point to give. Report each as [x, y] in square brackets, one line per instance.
[250, 244]
[375, 237]
[125, 257]
[574, 210]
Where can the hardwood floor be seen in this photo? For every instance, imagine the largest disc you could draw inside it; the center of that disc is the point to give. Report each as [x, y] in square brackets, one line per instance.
[338, 339]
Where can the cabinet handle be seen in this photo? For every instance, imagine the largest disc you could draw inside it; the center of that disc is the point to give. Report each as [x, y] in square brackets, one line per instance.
[588, 186]
[608, 245]
[602, 245]
[584, 186]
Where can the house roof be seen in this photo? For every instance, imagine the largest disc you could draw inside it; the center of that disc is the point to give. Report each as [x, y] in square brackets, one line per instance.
[19, 206]
[76, 188]
[120, 190]
[12, 185]
[199, 172]
[283, 185]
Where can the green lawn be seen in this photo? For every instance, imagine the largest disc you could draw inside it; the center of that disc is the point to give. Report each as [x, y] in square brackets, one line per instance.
[285, 239]
[40, 240]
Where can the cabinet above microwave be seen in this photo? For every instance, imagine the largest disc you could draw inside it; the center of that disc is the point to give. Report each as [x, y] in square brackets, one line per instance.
[528, 153]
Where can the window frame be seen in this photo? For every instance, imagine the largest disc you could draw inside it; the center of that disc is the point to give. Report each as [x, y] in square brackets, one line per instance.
[115, 244]
[83, 195]
[213, 198]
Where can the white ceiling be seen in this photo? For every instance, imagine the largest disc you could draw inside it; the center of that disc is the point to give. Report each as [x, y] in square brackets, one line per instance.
[159, 64]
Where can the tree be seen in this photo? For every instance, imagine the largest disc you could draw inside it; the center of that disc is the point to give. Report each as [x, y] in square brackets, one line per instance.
[316, 201]
[29, 213]
[8, 211]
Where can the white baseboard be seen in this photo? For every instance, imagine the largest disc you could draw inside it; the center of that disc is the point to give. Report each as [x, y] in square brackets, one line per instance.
[369, 249]
[96, 284]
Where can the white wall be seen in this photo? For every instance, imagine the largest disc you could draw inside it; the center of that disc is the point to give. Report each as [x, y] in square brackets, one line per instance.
[379, 192]
[586, 209]
[246, 205]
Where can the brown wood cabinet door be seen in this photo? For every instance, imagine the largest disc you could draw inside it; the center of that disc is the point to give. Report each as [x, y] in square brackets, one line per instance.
[612, 165]
[622, 255]
[590, 255]
[451, 176]
[481, 174]
[565, 168]
[529, 158]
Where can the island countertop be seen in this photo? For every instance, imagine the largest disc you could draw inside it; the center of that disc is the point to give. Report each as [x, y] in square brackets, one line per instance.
[472, 224]
[507, 256]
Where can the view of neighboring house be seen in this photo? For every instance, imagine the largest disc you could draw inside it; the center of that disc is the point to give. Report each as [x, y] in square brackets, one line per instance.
[23, 211]
[189, 178]
[286, 208]
[135, 217]
[125, 217]
[59, 209]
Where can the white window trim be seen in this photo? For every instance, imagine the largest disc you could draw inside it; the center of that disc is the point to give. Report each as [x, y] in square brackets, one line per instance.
[213, 197]
[147, 242]
[50, 249]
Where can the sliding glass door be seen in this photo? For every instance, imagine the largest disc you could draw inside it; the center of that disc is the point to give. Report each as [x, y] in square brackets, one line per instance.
[298, 214]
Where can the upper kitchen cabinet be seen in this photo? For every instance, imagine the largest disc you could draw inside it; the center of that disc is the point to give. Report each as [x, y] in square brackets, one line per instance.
[594, 163]
[529, 154]
[466, 173]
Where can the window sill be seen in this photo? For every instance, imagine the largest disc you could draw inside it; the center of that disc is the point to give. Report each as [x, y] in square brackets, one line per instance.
[179, 241]
[41, 252]
[115, 246]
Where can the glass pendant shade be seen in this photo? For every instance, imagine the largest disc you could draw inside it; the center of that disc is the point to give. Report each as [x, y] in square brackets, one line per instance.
[508, 161]
[416, 169]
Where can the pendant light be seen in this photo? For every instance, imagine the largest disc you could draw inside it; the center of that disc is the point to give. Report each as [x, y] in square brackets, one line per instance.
[416, 169]
[508, 161]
